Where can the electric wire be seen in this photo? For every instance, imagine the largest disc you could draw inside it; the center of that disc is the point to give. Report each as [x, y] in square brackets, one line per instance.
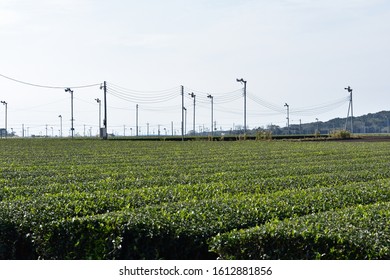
[160, 109]
[46, 86]
[142, 98]
[140, 101]
[164, 97]
[264, 103]
[319, 109]
[213, 93]
[131, 91]
[219, 98]
[304, 111]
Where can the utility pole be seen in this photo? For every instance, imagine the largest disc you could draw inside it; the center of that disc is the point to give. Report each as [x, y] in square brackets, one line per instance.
[193, 96]
[100, 111]
[71, 109]
[104, 135]
[60, 116]
[350, 108]
[6, 116]
[212, 109]
[288, 118]
[147, 129]
[182, 113]
[185, 122]
[136, 119]
[300, 126]
[172, 127]
[244, 82]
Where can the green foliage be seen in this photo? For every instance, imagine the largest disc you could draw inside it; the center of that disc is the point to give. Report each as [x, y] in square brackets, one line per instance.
[359, 232]
[88, 199]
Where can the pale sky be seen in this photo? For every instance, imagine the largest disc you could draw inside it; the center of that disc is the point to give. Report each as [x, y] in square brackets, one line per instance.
[300, 52]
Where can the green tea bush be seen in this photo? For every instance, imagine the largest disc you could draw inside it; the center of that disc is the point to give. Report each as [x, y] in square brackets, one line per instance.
[359, 232]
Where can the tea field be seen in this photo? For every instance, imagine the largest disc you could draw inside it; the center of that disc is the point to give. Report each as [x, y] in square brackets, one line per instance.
[93, 199]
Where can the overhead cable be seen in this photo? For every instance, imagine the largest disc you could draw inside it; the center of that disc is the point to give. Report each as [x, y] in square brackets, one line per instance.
[321, 108]
[46, 86]
[142, 99]
[131, 91]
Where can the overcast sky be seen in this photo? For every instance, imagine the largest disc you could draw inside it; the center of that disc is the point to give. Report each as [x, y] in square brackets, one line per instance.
[300, 52]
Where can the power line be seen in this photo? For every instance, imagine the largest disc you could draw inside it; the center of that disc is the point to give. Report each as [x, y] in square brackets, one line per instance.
[220, 98]
[306, 111]
[321, 108]
[135, 92]
[265, 104]
[46, 86]
[142, 97]
[155, 99]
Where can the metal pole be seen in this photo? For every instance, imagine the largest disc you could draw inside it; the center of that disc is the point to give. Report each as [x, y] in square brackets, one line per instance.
[350, 107]
[194, 116]
[6, 116]
[288, 118]
[244, 82]
[300, 126]
[193, 125]
[105, 134]
[100, 111]
[71, 109]
[351, 113]
[185, 122]
[182, 113]
[72, 114]
[212, 120]
[60, 116]
[136, 119]
[6, 120]
[212, 116]
[244, 107]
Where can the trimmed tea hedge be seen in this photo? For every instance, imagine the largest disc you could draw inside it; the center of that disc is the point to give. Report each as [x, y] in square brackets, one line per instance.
[360, 232]
[89, 199]
[180, 230]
